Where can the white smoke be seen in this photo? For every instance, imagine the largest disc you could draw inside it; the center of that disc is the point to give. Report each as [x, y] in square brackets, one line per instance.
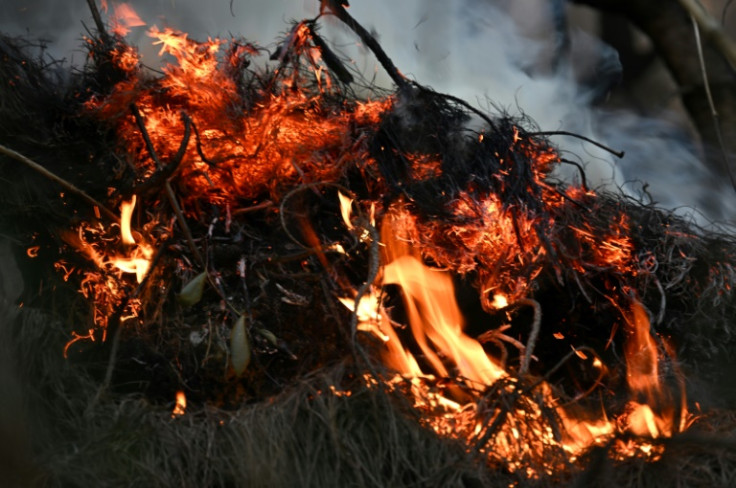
[491, 53]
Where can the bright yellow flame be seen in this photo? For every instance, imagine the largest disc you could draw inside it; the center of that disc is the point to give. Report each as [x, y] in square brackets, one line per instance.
[126, 213]
[138, 259]
[346, 209]
[499, 301]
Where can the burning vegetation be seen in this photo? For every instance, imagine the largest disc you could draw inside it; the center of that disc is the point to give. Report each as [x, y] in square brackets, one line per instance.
[240, 243]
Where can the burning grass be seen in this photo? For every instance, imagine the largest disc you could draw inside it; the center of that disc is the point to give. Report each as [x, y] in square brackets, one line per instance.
[344, 290]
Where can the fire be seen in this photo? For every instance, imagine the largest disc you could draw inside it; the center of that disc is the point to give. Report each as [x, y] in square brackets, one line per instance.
[445, 351]
[652, 411]
[213, 141]
[435, 320]
[114, 257]
[181, 404]
[346, 209]
[123, 18]
[126, 213]
[138, 260]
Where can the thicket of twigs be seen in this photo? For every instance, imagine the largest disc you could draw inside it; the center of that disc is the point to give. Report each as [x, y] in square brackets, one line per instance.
[103, 415]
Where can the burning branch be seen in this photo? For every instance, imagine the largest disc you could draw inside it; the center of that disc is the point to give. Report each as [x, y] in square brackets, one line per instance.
[163, 174]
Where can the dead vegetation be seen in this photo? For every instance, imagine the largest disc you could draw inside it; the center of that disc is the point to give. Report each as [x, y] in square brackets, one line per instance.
[237, 203]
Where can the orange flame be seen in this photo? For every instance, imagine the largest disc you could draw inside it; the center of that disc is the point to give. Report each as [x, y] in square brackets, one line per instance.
[181, 404]
[139, 259]
[434, 317]
[652, 411]
[437, 325]
[123, 18]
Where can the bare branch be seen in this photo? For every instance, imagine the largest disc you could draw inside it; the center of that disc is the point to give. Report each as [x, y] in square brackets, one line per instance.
[61, 181]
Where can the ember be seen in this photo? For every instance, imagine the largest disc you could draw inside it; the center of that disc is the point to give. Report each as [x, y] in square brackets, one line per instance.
[511, 311]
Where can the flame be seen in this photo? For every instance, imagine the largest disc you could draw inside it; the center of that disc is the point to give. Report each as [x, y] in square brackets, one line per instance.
[126, 212]
[181, 404]
[138, 260]
[437, 330]
[434, 317]
[346, 209]
[106, 286]
[123, 18]
[652, 411]
[499, 301]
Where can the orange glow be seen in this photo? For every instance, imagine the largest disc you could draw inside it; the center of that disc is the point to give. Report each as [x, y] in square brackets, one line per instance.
[181, 404]
[32, 252]
[106, 285]
[437, 327]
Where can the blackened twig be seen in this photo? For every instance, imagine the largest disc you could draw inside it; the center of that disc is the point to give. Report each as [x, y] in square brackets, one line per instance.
[564, 195]
[619, 154]
[331, 59]
[198, 142]
[144, 132]
[98, 19]
[65, 184]
[337, 8]
[583, 180]
[163, 173]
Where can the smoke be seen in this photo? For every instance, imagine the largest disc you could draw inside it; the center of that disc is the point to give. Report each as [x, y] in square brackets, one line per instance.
[495, 54]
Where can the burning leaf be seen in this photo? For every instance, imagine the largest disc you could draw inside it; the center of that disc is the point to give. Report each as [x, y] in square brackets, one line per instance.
[191, 293]
[239, 346]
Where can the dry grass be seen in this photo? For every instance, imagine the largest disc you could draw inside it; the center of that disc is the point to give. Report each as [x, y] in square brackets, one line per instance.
[305, 436]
